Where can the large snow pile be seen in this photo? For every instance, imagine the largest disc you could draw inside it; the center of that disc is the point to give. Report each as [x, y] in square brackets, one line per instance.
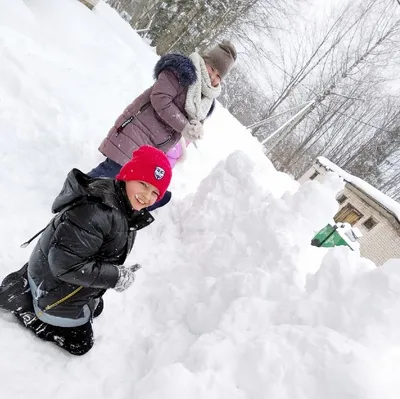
[232, 301]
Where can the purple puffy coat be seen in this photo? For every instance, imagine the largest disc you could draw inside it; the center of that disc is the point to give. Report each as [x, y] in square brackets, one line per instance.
[157, 117]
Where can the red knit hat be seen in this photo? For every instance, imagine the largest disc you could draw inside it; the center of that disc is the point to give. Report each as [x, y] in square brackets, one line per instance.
[148, 164]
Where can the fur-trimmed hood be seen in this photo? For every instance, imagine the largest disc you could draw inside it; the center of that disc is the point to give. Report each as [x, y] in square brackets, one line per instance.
[183, 68]
[181, 65]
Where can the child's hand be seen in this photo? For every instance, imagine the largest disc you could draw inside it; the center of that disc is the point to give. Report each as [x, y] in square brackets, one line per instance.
[193, 131]
[135, 267]
[126, 277]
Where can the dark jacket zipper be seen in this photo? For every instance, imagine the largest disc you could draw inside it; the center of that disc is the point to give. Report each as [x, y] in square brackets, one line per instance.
[131, 118]
[164, 142]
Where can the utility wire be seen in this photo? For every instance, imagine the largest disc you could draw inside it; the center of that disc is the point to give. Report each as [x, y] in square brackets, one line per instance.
[359, 120]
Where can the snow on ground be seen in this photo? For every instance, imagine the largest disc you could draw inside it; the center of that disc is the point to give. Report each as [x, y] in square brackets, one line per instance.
[232, 301]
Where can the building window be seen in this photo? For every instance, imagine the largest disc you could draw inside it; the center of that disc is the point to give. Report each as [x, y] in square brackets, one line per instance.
[348, 214]
[314, 175]
[370, 223]
[342, 199]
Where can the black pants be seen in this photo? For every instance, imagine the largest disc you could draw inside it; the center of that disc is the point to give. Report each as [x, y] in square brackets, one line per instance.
[16, 297]
[75, 340]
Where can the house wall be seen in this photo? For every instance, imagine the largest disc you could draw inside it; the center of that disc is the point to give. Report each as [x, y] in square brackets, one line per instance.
[382, 242]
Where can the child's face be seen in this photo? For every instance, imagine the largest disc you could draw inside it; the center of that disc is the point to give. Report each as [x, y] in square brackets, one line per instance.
[214, 76]
[141, 194]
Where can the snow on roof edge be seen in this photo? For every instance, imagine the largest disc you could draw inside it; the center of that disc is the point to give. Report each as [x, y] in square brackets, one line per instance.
[385, 201]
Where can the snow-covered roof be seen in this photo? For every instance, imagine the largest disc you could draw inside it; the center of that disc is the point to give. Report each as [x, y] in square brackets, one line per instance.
[385, 201]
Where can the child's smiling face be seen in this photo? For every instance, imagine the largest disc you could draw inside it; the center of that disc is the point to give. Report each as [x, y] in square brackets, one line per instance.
[214, 75]
[141, 194]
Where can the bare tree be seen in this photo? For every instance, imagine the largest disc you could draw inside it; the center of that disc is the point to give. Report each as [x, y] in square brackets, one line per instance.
[349, 66]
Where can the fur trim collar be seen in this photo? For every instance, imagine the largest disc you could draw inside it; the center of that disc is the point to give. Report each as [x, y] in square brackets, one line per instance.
[181, 65]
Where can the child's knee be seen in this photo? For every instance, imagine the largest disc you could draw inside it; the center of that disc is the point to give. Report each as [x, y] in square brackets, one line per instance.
[80, 350]
[77, 340]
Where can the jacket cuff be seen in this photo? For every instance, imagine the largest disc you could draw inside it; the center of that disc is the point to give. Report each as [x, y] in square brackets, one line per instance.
[110, 274]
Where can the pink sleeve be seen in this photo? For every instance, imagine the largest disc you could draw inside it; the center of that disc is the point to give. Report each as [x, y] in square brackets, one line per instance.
[174, 154]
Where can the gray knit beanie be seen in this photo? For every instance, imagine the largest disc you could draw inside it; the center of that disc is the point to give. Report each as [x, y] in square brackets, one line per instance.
[221, 57]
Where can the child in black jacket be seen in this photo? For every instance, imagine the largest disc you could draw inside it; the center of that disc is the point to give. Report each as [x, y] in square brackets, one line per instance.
[81, 251]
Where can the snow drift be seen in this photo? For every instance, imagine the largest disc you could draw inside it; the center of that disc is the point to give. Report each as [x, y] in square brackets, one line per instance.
[232, 300]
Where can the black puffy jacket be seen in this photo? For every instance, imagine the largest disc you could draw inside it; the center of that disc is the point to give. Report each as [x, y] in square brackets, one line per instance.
[93, 231]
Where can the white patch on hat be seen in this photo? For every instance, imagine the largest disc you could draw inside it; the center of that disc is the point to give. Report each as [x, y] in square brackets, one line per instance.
[159, 173]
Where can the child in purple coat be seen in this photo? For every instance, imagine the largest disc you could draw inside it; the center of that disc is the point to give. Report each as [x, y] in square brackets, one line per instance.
[175, 154]
[178, 152]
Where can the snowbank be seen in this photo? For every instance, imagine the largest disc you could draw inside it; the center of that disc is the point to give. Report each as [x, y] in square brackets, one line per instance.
[244, 316]
[232, 301]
